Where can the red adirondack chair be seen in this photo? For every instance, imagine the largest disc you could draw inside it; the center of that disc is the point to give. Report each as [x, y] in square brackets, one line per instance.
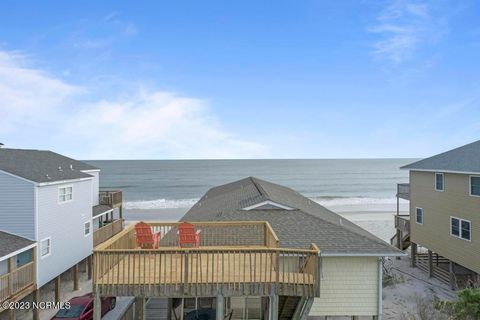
[187, 235]
[146, 239]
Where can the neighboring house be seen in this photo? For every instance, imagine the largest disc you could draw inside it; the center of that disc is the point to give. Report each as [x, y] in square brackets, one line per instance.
[444, 223]
[52, 200]
[265, 252]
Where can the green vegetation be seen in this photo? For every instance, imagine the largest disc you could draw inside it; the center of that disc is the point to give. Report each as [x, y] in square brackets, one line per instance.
[465, 307]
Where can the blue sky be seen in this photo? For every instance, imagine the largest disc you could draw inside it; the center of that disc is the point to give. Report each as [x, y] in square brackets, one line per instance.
[245, 79]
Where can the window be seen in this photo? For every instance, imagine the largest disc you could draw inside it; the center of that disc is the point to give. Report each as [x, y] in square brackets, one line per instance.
[439, 182]
[45, 247]
[86, 229]
[460, 228]
[65, 194]
[474, 186]
[419, 215]
[24, 257]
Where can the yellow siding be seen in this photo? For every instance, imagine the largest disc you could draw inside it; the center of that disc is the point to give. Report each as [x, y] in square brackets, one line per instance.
[348, 287]
[438, 206]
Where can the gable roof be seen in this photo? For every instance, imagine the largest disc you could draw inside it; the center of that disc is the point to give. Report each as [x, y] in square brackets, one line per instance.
[41, 165]
[10, 243]
[463, 159]
[307, 223]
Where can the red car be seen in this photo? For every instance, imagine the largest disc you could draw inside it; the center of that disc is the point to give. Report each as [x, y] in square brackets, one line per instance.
[81, 308]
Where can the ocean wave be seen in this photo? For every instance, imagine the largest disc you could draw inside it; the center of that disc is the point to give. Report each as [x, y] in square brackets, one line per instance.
[159, 204]
[323, 200]
[345, 201]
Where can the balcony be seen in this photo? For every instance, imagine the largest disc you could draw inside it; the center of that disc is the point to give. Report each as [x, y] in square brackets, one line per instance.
[402, 222]
[233, 258]
[107, 231]
[403, 191]
[112, 198]
[18, 283]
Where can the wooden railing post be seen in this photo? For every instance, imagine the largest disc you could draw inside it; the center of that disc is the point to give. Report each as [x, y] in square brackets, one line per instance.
[11, 268]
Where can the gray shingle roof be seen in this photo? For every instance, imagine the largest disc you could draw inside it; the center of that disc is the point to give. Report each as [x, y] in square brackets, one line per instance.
[462, 159]
[308, 223]
[10, 243]
[41, 165]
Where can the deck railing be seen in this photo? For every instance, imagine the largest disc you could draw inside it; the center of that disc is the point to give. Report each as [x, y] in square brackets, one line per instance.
[14, 282]
[107, 231]
[233, 258]
[402, 222]
[111, 198]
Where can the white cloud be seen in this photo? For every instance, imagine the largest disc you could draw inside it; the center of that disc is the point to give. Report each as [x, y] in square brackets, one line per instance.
[145, 124]
[402, 27]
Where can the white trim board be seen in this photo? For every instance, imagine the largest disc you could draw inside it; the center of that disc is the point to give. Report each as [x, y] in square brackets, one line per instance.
[442, 171]
[268, 202]
[102, 214]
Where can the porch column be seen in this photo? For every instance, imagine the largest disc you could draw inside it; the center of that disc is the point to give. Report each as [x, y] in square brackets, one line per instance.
[75, 277]
[36, 299]
[57, 288]
[97, 305]
[413, 255]
[273, 307]
[139, 308]
[220, 307]
[430, 264]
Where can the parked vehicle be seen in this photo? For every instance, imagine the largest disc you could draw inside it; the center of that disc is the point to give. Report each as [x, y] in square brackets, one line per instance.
[81, 308]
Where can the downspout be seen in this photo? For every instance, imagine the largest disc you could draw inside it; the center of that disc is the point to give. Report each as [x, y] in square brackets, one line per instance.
[379, 289]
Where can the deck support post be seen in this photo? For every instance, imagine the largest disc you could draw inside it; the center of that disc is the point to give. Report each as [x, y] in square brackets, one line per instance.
[273, 307]
[430, 264]
[57, 288]
[75, 277]
[169, 308]
[380, 289]
[220, 307]
[89, 267]
[139, 308]
[120, 212]
[97, 305]
[36, 299]
[413, 255]
[451, 267]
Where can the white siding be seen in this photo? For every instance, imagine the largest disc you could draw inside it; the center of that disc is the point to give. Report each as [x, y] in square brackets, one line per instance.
[17, 206]
[95, 185]
[348, 287]
[64, 223]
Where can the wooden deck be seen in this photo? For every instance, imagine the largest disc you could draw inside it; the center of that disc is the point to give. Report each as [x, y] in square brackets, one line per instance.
[204, 271]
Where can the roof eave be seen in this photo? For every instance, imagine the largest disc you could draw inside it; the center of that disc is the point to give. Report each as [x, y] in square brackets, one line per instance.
[364, 254]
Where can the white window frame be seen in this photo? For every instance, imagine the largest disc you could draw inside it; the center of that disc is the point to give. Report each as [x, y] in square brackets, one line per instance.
[443, 181]
[423, 215]
[89, 228]
[460, 228]
[49, 247]
[470, 185]
[64, 187]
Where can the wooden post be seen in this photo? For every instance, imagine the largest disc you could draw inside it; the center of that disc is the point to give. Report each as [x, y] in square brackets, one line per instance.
[452, 274]
[413, 255]
[89, 266]
[139, 308]
[120, 211]
[75, 277]
[36, 299]
[57, 288]
[97, 305]
[220, 307]
[430, 264]
[169, 308]
[272, 307]
[11, 314]
[11, 267]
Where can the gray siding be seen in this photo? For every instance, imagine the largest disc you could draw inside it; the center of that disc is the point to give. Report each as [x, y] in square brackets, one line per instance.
[64, 223]
[17, 206]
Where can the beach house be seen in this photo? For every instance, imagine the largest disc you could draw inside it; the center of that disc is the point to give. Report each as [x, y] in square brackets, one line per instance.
[443, 225]
[53, 202]
[265, 252]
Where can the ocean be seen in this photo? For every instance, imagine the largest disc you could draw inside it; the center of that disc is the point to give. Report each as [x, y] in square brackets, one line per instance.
[345, 184]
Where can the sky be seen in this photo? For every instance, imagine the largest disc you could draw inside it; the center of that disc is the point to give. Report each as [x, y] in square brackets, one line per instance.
[240, 79]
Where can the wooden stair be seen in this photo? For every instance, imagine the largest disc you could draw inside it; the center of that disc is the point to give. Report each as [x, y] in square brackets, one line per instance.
[405, 243]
